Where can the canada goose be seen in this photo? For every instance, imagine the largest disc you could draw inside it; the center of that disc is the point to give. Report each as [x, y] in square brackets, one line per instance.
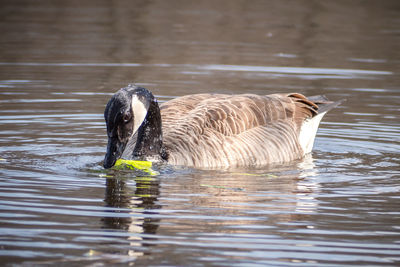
[212, 130]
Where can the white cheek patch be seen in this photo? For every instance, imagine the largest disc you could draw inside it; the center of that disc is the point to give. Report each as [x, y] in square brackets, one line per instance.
[139, 113]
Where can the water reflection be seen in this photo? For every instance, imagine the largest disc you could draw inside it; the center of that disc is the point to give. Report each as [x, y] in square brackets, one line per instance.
[308, 186]
[252, 200]
[134, 199]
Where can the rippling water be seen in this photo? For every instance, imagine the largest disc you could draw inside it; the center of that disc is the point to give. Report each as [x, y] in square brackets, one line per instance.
[61, 61]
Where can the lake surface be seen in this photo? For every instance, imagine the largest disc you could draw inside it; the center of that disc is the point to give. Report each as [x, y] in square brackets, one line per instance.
[60, 61]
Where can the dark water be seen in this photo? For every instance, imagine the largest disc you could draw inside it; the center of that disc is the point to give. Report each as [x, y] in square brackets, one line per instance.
[61, 60]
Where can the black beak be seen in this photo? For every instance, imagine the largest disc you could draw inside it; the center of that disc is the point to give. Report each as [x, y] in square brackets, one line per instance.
[114, 152]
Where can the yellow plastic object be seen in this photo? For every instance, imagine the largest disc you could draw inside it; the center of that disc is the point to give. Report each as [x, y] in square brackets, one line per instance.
[135, 165]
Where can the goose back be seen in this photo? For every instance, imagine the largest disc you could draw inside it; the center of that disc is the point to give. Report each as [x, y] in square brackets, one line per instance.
[214, 130]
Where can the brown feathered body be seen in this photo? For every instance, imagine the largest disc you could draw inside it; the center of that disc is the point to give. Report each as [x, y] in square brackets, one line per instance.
[217, 130]
[212, 130]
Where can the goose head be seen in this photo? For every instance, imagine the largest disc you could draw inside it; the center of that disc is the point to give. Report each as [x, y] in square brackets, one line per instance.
[133, 123]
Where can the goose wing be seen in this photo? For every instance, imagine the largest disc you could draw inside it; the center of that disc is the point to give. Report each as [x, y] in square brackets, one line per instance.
[212, 130]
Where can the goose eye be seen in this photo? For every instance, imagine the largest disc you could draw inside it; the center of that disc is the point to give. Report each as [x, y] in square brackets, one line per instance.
[127, 117]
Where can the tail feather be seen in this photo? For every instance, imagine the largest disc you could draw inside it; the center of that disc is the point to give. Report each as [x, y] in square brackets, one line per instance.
[310, 126]
[324, 104]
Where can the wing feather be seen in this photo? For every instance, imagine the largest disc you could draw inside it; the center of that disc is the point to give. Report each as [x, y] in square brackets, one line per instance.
[211, 130]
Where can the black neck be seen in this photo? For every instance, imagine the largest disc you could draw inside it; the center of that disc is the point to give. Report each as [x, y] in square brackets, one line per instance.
[149, 142]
